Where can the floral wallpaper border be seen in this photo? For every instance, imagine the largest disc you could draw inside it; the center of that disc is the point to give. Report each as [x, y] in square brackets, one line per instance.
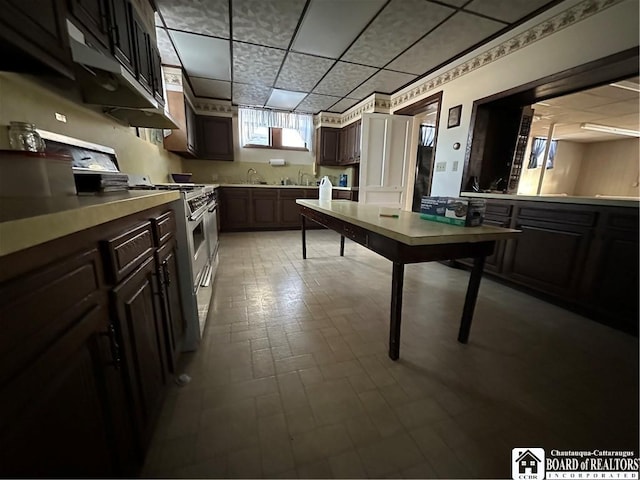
[548, 27]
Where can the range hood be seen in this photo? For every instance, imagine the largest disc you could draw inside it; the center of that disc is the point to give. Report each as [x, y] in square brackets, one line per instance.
[103, 81]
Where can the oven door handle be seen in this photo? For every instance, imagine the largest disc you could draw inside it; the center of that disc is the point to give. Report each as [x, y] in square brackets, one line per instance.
[198, 217]
[213, 209]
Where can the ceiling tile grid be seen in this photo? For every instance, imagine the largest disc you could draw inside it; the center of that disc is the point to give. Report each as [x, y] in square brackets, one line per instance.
[302, 72]
[440, 45]
[255, 64]
[343, 78]
[330, 53]
[208, 17]
[266, 22]
[401, 23]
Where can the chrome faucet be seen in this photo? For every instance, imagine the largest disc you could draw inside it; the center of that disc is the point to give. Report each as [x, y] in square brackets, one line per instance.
[250, 172]
[301, 176]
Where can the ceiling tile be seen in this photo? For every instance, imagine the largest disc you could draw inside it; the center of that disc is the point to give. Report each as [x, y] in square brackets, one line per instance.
[384, 81]
[329, 26]
[206, 87]
[505, 10]
[618, 108]
[255, 64]
[401, 23]
[451, 38]
[314, 103]
[267, 22]
[302, 72]
[343, 78]
[342, 105]
[455, 3]
[251, 95]
[623, 121]
[203, 56]
[167, 52]
[210, 17]
[285, 99]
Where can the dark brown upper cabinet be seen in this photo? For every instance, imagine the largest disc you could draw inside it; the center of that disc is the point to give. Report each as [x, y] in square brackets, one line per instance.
[215, 138]
[92, 19]
[328, 146]
[181, 141]
[34, 38]
[122, 37]
[143, 54]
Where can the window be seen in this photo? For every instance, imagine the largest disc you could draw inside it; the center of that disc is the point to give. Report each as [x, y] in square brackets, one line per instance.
[537, 152]
[261, 128]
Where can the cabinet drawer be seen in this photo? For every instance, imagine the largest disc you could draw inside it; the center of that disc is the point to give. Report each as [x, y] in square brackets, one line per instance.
[164, 227]
[565, 216]
[127, 251]
[500, 209]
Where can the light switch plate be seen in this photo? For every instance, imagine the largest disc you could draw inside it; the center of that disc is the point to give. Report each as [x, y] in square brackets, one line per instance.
[441, 166]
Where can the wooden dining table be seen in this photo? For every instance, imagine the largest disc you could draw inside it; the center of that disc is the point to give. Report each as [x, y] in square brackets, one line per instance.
[403, 237]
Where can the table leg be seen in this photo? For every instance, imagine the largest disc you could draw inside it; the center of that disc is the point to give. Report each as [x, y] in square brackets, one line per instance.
[470, 299]
[396, 310]
[342, 245]
[304, 237]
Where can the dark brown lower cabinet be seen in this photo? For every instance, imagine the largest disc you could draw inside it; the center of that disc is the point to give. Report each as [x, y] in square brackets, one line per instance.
[173, 319]
[262, 208]
[83, 349]
[141, 336]
[584, 257]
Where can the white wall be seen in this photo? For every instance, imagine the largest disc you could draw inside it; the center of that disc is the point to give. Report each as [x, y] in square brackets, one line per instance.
[608, 32]
[562, 178]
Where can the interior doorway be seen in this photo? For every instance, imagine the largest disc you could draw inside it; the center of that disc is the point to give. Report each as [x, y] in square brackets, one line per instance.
[426, 117]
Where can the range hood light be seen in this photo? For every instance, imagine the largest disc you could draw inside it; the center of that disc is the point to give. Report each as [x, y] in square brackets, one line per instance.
[608, 129]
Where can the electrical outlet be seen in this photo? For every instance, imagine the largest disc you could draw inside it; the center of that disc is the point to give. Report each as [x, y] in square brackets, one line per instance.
[454, 168]
[61, 118]
[441, 166]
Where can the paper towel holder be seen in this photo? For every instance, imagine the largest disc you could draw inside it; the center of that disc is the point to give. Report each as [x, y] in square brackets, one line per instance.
[277, 162]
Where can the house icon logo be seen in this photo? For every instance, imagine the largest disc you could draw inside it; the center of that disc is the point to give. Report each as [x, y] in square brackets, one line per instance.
[527, 464]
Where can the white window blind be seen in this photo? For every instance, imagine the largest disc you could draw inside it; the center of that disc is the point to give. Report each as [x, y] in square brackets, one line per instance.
[253, 121]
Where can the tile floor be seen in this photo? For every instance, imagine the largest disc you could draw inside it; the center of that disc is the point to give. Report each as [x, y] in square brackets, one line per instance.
[292, 379]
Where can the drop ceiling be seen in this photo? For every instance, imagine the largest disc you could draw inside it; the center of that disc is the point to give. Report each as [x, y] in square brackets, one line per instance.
[615, 105]
[323, 55]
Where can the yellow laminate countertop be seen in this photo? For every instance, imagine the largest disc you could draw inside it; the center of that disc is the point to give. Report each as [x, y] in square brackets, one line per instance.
[408, 227]
[29, 221]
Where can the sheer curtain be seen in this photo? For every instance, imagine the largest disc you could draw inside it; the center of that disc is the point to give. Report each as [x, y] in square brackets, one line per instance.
[427, 135]
[249, 119]
[537, 149]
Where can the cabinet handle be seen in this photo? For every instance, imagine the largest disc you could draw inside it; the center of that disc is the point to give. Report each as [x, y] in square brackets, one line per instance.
[115, 348]
[167, 273]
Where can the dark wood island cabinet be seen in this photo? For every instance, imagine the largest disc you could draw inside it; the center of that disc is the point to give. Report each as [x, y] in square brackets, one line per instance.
[583, 256]
[89, 326]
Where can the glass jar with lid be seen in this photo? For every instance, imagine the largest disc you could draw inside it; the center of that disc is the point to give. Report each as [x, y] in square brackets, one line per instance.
[23, 136]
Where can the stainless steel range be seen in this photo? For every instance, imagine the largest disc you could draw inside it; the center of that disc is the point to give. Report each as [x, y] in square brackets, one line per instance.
[197, 227]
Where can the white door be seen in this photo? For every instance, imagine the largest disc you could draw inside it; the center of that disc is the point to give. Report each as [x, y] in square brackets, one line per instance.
[385, 159]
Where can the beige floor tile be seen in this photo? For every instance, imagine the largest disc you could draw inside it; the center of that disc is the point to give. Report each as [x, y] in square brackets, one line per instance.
[299, 348]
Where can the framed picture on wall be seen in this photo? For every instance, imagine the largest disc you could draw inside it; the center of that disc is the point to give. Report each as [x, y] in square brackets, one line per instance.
[454, 116]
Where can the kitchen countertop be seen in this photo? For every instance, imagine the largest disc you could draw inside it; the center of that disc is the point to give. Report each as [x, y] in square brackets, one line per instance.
[408, 227]
[254, 185]
[604, 201]
[29, 221]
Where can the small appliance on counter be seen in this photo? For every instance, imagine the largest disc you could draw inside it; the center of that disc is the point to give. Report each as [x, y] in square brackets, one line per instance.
[343, 180]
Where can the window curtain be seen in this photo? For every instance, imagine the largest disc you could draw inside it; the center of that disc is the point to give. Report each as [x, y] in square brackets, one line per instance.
[537, 149]
[552, 153]
[427, 135]
[250, 119]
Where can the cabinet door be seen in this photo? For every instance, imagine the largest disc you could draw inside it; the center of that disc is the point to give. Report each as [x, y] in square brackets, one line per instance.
[58, 418]
[215, 138]
[234, 208]
[173, 321]
[264, 211]
[289, 209]
[328, 153]
[191, 128]
[141, 337]
[35, 30]
[156, 70]
[357, 136]
[92, 18]
[143, 54]
[122, 34]
[343, 155]
[351, 143]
